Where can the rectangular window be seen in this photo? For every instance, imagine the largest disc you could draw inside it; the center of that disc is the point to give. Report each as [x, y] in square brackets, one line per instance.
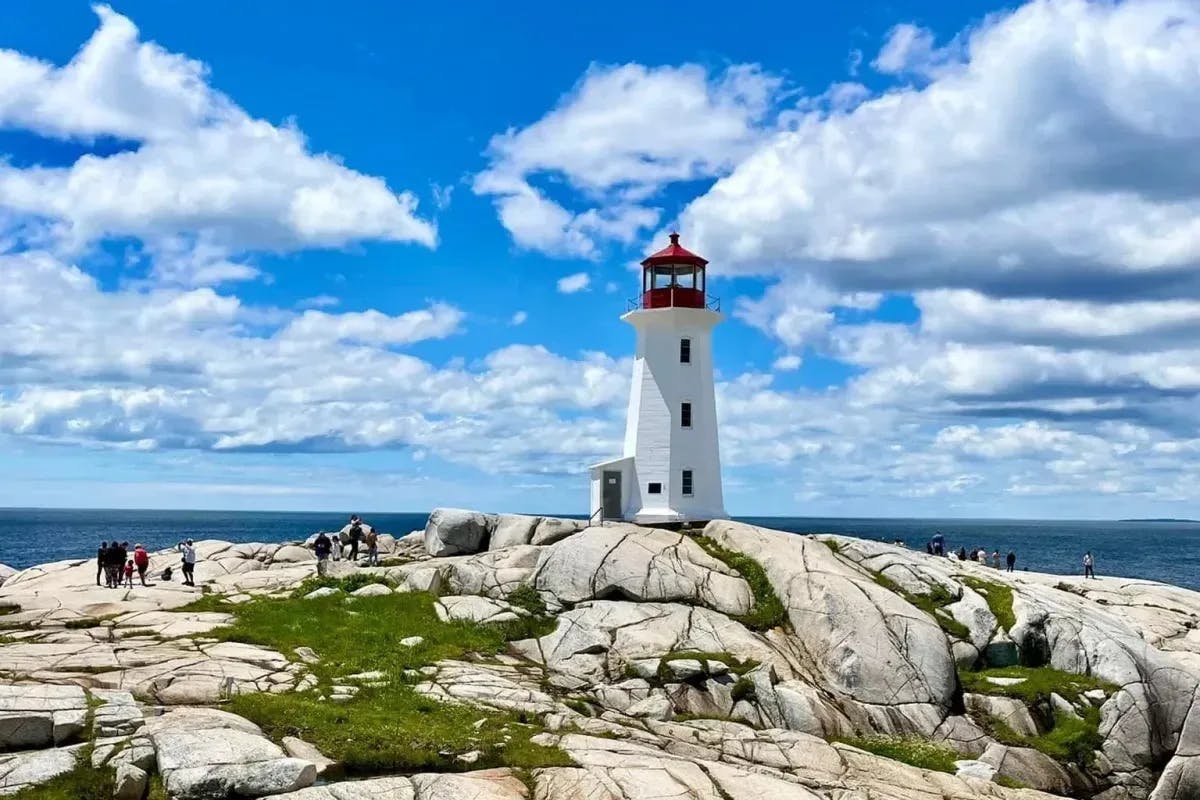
[685, 351]
[685, 415]
[687, 483]
[654, 488]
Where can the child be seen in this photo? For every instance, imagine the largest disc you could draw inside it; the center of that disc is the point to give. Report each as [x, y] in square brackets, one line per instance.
[129, 573]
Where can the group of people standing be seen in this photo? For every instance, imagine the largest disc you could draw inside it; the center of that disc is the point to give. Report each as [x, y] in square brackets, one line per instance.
[936, 546]
[356, 534]
[117, 564]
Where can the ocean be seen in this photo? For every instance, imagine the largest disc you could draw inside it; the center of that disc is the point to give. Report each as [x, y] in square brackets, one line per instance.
[1161, 551]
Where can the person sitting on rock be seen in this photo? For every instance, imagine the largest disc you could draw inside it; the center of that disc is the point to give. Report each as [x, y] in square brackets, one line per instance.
[321, 547]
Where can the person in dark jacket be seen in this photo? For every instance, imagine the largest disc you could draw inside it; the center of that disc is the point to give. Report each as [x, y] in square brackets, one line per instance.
[1012, 560]
[101, 560]
[322, 547]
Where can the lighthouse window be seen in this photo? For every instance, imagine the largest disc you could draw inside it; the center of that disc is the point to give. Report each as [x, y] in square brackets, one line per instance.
[685, 415]
[654, 488]
[685, 351]
[687, 483]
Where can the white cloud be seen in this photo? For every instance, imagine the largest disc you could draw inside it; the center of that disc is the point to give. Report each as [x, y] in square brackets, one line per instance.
[202, 169]
[788, 363]
[576, 282]
[910, 50]
[319, 301]
[619, 135]
[518, 318]
[1061, 154]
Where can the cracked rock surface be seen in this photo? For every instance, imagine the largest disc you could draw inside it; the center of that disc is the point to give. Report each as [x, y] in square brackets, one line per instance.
[647, 679]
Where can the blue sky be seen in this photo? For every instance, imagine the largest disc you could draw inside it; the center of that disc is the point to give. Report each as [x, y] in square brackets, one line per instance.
[373, 256]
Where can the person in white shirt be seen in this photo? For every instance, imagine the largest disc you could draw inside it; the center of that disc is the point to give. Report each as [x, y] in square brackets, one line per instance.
[188, 550]
[1089, 565]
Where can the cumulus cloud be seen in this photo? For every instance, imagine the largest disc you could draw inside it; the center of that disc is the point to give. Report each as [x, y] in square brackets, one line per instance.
[198, 167]
[618, 136]
[576, 282]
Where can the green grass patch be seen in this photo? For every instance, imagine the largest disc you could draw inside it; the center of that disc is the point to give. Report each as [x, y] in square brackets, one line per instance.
[932, 604]
[348, 583]
[81, 623]
[999, 598]
[835, 546]
[916, 752]
[1038, 684]
[388, 728]
[85, 782]
[526, 597]
[768, 611]
[743, 689]
[736, 665]
[1071, 740]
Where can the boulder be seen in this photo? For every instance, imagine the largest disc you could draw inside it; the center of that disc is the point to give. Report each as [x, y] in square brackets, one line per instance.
[23, 770]
[627, 562]
[1009, 710]
[130, 782]
[1029, 767]
[205, 754]
[371, 590]
[324, 591]
[455, 531]
[38, 715]
[6, 572]
[475, 609]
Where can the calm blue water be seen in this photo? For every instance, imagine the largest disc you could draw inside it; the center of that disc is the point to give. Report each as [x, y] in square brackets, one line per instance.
[1162, 551]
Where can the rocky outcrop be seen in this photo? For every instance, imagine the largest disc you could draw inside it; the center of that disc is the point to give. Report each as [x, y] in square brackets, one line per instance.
[864, 642]
[631, 563]
[649, 677]
[455, 531]
[205, 754]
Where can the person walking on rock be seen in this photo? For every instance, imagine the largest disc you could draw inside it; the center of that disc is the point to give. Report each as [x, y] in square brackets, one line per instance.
[101, 560]
[1089, 565]
[1012, 559]
[321, 548]
[188, 550]
[141, 560]
[996, 559]
[129, 573]
[372, 540]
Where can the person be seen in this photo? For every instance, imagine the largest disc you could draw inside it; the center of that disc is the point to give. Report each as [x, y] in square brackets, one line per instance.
[188, 550]
[1089, 565]
[356, 535]
[129, 573]
[939, 543]
[1012, 559]
[321, 548]
[101, 560]
[141, 560]
[929, 548]
[372, 540]
[112, 566]
[996, 559]
[962, 554]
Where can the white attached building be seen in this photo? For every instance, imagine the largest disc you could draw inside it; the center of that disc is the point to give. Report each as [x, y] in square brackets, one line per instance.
[671, 469]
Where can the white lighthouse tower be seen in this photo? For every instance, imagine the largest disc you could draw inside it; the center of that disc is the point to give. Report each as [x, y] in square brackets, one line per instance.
[671, 469]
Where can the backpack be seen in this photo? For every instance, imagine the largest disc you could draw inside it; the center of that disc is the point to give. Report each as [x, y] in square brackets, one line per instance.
[166, 576]
[355, 532]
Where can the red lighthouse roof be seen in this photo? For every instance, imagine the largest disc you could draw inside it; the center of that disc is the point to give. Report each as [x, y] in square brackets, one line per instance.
[674, 253]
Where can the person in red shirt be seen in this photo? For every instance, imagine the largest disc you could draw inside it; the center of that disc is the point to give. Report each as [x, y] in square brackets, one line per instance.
[129, 573]
[141, 560]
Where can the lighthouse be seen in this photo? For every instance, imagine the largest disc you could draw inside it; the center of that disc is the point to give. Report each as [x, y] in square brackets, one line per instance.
[671, 468]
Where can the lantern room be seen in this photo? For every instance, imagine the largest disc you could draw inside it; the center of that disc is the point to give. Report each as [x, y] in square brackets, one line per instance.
[673, 278]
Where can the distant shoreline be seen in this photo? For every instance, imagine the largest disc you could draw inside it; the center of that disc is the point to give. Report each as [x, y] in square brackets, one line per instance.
[1162, 519]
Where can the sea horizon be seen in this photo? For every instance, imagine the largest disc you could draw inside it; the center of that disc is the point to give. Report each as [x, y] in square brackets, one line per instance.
[1129, 548]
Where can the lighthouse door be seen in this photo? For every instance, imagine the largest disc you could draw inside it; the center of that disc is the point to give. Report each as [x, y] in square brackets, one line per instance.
[612, 494]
